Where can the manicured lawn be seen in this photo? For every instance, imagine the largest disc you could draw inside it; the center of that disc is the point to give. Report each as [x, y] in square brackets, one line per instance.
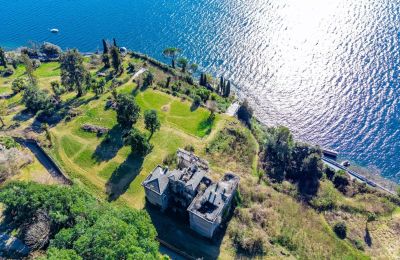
[48, 69]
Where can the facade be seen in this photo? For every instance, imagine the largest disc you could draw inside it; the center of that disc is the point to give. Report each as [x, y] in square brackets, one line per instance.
[188, 189]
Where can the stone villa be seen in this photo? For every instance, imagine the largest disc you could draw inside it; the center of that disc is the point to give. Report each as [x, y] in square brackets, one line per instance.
[188, 189]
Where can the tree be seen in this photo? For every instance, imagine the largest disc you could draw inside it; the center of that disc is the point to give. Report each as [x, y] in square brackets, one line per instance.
[82, 227]
[50, 49]
[340, 229]
[74, 75]
[106, 60]
[58, 89]
[36, 100]
[105, 47]
[138, 141]
[127, 110]
[183, 63]
[172, 52]
[98, 86]
[151, 121]
[29, 68]
[18, 85]
[277, 151]
[193, 68]
[227, 92]
[245, 112]
[212, 107]
[116, 60]
[310, 174]
[341, 180]
[149, 79]
[3, 60]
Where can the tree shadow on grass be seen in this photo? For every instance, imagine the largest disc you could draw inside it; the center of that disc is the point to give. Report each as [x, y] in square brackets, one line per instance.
[122, 177]
[205, 126]
[110, 145]
[194, 106]
[23, 116]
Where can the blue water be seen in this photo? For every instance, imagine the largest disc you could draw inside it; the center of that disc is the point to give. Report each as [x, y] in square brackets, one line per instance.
[327, 69]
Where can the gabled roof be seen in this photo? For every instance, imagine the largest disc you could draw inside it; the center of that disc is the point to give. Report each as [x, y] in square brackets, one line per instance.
[157, 181]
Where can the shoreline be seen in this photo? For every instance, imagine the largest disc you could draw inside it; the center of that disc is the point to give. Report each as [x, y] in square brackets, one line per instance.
[367, 172]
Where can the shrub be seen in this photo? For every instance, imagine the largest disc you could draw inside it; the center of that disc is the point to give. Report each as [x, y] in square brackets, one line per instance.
[8, 72]
[189, 148]
[340, 229]
[341, 180]
[8, 142]
[50, 49]
[359, 244]
[18, 85]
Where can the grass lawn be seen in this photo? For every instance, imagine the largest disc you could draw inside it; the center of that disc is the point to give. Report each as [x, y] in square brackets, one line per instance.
[106, 163]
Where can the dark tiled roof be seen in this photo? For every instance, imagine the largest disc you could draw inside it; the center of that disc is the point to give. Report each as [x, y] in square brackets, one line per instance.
[157, 181]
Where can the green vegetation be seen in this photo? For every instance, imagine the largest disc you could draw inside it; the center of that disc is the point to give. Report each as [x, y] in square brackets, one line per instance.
[288, 202]
[75, 223]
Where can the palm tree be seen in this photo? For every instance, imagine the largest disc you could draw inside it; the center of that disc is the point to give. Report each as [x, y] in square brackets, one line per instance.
[172, 52]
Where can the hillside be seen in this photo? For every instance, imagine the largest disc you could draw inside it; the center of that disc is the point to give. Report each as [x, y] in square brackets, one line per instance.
[271, 219]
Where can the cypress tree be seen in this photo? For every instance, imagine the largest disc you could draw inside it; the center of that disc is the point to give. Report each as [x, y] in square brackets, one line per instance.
[3, 61]
[168, 82]
[105, 47]
[115, 42]
[201, 81]
[221, 87]
[228, 89]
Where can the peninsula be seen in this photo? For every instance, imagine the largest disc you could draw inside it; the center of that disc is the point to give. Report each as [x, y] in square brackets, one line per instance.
[118, 125]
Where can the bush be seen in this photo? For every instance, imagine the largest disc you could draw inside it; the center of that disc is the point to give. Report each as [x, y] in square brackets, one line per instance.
[189, 148]
[341, 180]
[359, 244]
[7, 72]
[8, 142]
[340, 229]
[50, 49]
[18, 85]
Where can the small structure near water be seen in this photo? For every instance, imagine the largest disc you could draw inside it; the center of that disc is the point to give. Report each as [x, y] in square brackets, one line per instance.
[187, 189]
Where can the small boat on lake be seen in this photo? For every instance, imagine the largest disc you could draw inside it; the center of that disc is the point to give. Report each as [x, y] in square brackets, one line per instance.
[54, 30]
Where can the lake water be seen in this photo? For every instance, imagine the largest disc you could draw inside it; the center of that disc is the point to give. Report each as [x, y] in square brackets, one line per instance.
[327, 69]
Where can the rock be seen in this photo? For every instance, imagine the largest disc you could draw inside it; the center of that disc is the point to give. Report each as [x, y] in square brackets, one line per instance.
[99, 130]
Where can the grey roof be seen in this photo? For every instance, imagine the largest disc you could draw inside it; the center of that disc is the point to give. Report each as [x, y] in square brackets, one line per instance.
[192, 159]
[157, 181]
[211, 203]
[190, 177]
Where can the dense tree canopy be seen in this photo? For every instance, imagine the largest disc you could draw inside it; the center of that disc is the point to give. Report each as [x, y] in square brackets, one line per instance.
[82, 227]
[139, 142]
[3, 60]
[116, 60]
[127, 110]
[151, 121]
[36, 99]
[74, 75]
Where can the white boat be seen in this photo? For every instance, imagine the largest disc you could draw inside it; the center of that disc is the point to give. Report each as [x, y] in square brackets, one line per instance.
[54, 30]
